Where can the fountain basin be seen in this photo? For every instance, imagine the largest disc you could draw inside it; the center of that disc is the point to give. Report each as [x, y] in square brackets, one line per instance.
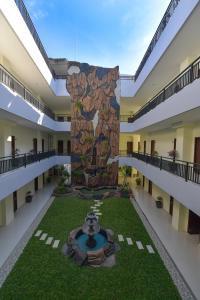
[90, 244]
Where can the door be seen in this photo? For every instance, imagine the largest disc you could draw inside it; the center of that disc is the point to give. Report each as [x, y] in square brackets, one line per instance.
[42, 145]
[138, 147]
[68, 147]
[143, 181]
[153, 147]
[150, 187]
[129, 147]
[193, 223]
[145, 147]
[197, 150]
[13, 146]
[35, 146]
[43, 179]
[171, 204]
[15, 201]
[60, 146]
[36, 184]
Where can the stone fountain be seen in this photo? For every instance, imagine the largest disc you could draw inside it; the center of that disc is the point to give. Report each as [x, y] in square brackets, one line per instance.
[90, 244]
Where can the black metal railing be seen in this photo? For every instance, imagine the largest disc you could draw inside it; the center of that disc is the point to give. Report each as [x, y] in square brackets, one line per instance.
[191, 73]
[169, 12]
[10, 163]
[63, 118]
[187, 170]
[125, 118]
[15, 85]
[22, 8]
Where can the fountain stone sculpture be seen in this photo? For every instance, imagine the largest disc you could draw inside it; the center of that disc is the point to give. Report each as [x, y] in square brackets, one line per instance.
[91, 244]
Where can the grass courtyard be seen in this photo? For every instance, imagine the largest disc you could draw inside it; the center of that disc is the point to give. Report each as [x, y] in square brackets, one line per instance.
[45, 273]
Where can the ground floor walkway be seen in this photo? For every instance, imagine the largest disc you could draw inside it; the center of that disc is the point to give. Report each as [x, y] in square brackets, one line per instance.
[24, 223]
[183, 248]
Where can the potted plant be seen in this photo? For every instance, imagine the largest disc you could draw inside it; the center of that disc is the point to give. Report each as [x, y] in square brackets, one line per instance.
[48, 179]
[173, 153]
[159, 202]
[28, 197]
[138, 181]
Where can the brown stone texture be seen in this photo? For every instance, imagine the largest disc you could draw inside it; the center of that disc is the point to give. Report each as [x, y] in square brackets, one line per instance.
[94, 125]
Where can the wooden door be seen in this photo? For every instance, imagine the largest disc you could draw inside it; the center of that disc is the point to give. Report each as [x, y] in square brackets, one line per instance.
[42, 145]
[68, 147]
[143, 181]
[35, 146]
[197, 150]
[15, 201]
[153, 147]
[193, 223]
[13, 146]
[171, 205]
[36, 184]
[139, 147]
[150, 187]
[129, 147]
[145, 147]
[60, 147]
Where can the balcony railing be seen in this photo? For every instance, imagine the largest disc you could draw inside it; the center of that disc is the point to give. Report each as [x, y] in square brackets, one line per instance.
[191, 73]
[31, 27]
[9, 163]
[124, 118]
[187, 170]
[63, 118]
[169, 12]
[15, 85]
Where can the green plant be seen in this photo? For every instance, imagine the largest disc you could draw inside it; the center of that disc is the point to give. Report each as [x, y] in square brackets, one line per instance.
[159, 198]
[89, 139]
[124, 170]
[66, 174]
[138, 181]
[48, 179]
[79, 105]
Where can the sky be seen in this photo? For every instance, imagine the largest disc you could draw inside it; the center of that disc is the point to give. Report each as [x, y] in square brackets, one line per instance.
[100, 32]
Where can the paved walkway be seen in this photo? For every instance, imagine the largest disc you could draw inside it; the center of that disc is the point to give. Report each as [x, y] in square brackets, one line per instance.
[11, 235]
[183, 248]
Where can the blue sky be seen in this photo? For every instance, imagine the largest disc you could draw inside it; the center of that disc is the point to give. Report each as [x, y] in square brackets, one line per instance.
[100, 32]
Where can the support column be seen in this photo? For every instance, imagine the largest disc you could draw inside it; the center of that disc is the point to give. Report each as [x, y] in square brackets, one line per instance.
[180, 216]
[7, 210]
[184, 142]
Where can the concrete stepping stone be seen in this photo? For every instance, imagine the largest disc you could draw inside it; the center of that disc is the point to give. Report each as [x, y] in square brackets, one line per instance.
[38, 233]
[98, 214]
[43, 236]
[49, 240]
[96, 210]
[120, 238]
[139, 245]
[150, 249]
[129, 241]
[56, 243]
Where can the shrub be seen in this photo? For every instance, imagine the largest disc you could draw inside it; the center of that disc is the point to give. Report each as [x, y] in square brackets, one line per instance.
[138, 181]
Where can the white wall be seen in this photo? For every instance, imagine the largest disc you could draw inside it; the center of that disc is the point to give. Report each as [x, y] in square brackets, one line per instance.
[181, 14]
[12, 103]
[186, 193]
[14, 180]
[185, 100]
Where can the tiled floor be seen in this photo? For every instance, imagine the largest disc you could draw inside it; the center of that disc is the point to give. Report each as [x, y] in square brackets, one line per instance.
[183, 248]
[10, 235]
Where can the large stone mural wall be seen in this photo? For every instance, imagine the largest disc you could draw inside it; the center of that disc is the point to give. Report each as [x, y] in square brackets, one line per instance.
[95, 123]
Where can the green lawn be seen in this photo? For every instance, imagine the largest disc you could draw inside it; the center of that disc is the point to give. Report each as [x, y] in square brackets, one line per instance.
[45, 273]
